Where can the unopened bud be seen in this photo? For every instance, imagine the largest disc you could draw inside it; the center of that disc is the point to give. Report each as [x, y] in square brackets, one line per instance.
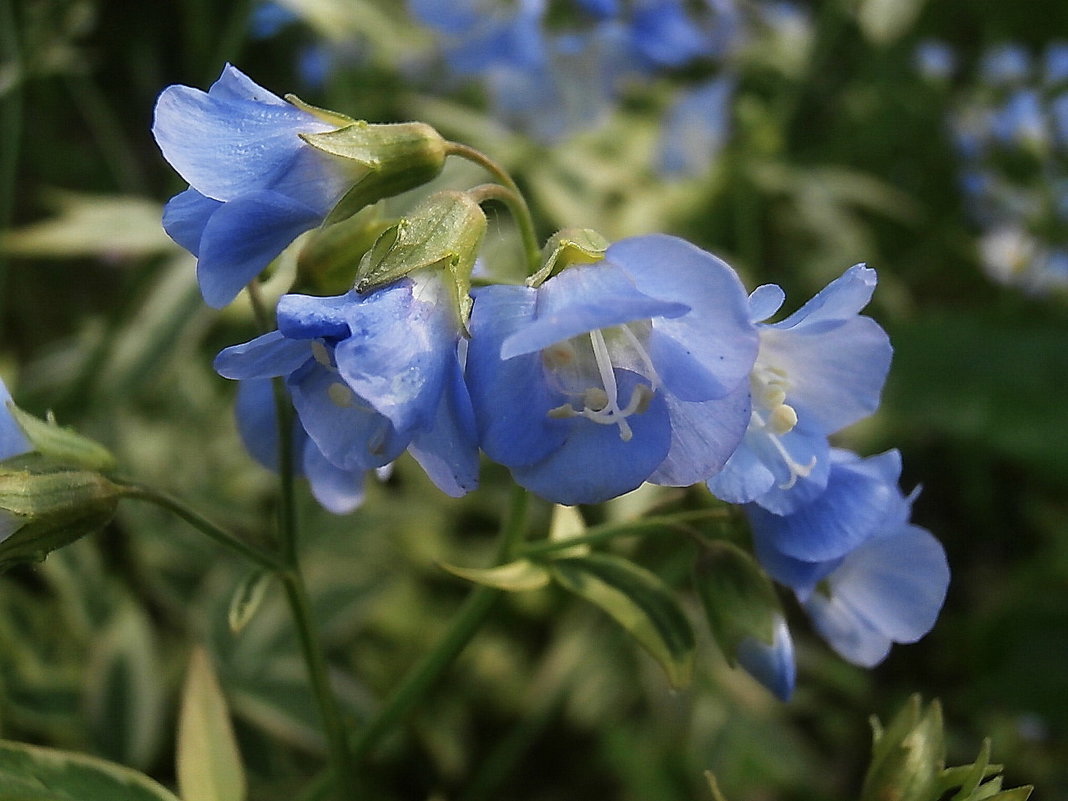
[566, 248]
[328, 261]
[43, 507]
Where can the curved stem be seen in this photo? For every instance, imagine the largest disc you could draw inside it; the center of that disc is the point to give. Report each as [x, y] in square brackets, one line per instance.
[517, 204]
[198, 521]
[635, 528]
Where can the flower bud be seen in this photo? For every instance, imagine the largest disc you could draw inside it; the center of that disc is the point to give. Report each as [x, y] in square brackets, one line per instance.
[445, 232]
[43, 507]
[397, 156]
[908, 756]
[328, 261]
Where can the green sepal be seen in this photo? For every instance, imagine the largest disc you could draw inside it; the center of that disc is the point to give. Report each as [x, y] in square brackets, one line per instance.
[566, 248]
[395, 157]
[908, 756]
[44, 507]
[326, 115]
[738, 597]
[247, 599]
[640, 602]
[444, 232]
[519, 576]
[328, 261]
[60, 444]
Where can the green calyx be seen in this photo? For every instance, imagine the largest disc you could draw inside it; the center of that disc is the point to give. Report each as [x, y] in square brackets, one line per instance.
[329, 260]
[44, 507]
[395, 157]
[62, 445]
[444, 232]
[738, 597]
[566, 248]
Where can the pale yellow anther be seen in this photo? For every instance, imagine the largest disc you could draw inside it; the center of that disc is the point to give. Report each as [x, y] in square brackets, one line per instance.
[341, 395]
[782, 419]
[559, 355]
[773, 395]
[320, 353]
[562, 412]
[595, 399]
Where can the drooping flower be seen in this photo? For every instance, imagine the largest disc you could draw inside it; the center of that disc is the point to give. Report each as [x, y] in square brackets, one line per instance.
[254, 184]
[817, 371]
[772, 665]
[865, 575]
[609, 374]
[371, 375]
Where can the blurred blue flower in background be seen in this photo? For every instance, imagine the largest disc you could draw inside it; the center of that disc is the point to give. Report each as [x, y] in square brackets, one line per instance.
[254, 184]
[818, 371]
[609, 374]
[372, 375]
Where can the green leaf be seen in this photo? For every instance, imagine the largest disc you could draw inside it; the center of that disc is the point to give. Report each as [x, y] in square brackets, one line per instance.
[515, 576]
[639, 602]
[247, 599]
[30, 773]
[909, 755]
[208, 762]
[124, 694]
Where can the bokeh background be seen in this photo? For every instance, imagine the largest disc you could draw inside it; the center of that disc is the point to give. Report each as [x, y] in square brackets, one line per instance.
[928, 139]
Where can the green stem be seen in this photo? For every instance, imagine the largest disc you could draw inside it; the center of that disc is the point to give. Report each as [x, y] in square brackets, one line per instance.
[635, 528]
[198, 521]
[518, 205]
[470, 618]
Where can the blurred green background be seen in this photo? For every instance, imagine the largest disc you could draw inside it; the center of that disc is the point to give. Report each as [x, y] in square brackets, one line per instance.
[839, 152]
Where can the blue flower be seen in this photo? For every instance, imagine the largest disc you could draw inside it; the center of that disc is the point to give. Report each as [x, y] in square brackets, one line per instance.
[817, 371]
[338, 490]
[12, 441]
[254, 184]
[609, 374]
[371, 375]
[865, 575]
[772, 665]
[663, 34]
[1005, 65]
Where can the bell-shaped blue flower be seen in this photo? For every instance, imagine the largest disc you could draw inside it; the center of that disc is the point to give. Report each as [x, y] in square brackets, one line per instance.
[254, 184]
[609, 374]
[12, 441]
[817, 371]
[373, 374]
[866, 576]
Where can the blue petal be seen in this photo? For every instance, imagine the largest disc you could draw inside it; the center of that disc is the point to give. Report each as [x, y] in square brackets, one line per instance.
[764, 301]
[448, 451]
[185, 216]
[257, 423]
[242, 237]
[339, 491]
[236, 139]
[799, 575]
[850, 510]
[309, 317]
[744, 477]
[772, 665]
[896, 582]
[583, 299]
[703, 437]
[403, 339]
[511, 398]
[854, 639]
[664, 34]
[594, 464]
[721, 342]
[353, 436]
[265, 356]
[844, 297]
[12, 441]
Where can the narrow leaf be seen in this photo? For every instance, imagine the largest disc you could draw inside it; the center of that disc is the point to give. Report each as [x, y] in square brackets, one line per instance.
[514, 577]
[31, 773]
[639, 602]
[247, 599]
[208, 763]
[567, 522]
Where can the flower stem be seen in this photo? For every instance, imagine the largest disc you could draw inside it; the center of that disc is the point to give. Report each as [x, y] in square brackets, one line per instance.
[470, 618]
[634, 528]
[255, 555]
[517, 204]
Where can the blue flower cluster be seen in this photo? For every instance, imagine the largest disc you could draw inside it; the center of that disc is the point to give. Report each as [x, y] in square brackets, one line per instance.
[1010, 129]
[643, 361]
